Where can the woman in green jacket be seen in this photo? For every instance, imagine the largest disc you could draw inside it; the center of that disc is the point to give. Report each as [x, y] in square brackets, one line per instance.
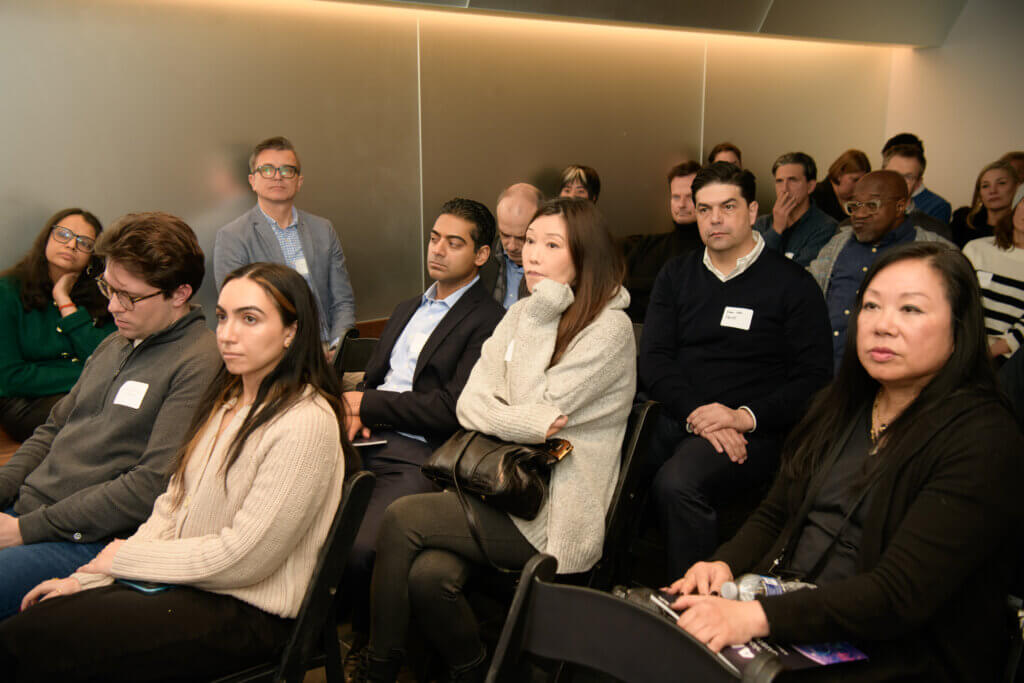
[52, 316]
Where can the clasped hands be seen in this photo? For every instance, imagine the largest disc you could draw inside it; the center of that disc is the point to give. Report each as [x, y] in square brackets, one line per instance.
[723, 428]
[711, 619]
[55, 588]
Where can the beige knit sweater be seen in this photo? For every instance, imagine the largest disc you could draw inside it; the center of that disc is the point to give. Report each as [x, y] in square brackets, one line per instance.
[258, 540]
[514, 395]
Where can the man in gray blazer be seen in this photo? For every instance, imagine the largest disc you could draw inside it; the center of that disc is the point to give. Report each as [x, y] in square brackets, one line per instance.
[274, 230]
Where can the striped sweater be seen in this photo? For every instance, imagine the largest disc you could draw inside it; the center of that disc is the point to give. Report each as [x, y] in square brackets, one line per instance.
[257, 537]
[1001, 276]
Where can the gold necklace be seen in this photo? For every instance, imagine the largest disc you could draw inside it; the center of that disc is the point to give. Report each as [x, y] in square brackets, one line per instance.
[877, 426]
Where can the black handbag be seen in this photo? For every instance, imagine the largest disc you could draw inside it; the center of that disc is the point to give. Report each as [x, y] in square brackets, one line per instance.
[510, 477]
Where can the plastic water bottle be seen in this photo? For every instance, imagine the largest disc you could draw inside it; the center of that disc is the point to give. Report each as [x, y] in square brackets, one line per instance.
[749, 586]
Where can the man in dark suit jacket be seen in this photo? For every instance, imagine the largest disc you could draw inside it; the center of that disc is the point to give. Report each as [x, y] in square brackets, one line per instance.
[417, 371]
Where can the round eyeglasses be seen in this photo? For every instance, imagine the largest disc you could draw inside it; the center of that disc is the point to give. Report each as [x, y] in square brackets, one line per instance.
[126, 300]
[63, 235]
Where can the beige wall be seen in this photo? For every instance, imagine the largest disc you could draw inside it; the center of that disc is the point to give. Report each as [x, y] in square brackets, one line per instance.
[118, 105]
[963, 99]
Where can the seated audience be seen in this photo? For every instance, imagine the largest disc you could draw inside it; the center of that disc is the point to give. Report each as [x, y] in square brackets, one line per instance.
[52, 316]
[275, 231]
[414, 379]
[843, 174]
[878, 222]
[236, 535]
[1015, 159]
[993, 192]
[93, 470]
[503, 273]
[795, 227]
[999, 263]
[909, 162]
[580, 181]
[735, 341]
[646, 254]
[898, 495]
[560, 363]
[727, 152]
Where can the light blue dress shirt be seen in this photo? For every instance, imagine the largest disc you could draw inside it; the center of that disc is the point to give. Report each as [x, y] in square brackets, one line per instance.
[406, 351]
[513, 276]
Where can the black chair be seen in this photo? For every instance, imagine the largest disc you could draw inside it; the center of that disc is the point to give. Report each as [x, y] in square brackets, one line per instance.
[314, 640]
[600, 631]
[354, 352]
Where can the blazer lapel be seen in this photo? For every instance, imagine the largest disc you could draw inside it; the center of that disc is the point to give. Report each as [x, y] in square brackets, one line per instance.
[448, 323]
[265, 235]
[380, 361]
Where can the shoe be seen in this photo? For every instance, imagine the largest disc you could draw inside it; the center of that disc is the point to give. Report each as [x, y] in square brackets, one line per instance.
[357, 658]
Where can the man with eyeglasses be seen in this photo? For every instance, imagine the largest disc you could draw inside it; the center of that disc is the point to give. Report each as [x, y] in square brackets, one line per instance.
[503, 274]
[275, 231]
[878, 221]
[93, 470]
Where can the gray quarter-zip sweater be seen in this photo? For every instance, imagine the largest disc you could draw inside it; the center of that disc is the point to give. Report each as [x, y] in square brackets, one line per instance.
[94, 469]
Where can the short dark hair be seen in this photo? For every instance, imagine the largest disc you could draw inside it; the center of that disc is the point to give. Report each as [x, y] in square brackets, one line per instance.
[158, 248]
[903, 139]
[724, 173]
[586, 176]
[805, 160]
[278, 142]
[850, 161]
[681, 170]
[725, 147]
[476, 213]
[906, 151]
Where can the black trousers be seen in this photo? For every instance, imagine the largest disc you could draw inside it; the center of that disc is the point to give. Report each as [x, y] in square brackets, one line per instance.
[397, 469]
[425, 555]
[19, 416]
[695, 482]
[117, 633]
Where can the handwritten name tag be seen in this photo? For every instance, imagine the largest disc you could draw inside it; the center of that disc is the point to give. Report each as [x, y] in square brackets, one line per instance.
[509, 350]
[736, 317]
[131, 394]
[984, 278]
[301, 267]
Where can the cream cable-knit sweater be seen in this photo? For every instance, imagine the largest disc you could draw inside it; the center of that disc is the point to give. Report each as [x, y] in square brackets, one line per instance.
[258, 540]
[513, 395]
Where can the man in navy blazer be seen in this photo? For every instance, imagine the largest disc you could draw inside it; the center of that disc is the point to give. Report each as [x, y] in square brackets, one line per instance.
[275, 231]
[417, 371]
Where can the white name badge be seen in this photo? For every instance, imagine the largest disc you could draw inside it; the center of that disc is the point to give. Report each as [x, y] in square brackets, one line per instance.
[301, 267]
[509, 350]
[790, 255]
[739, 318]
[131, 394]
[984, 279]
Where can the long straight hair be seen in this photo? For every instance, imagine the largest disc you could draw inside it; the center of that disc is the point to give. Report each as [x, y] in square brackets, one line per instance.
[599, 265]
[33, 273]
[976, 203]
[303, 365]
[967, 370]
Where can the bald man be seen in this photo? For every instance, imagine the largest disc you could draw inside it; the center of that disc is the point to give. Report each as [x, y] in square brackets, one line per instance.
[878, 221]
[504, 274]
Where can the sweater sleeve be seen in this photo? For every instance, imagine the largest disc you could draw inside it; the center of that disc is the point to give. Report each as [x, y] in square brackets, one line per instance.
[298, 455]
[661, 375]
[808, 345]
[961, 514]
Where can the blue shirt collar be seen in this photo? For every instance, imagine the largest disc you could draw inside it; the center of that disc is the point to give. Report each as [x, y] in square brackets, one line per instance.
[273, 223]
[512, 264]
[430, 296]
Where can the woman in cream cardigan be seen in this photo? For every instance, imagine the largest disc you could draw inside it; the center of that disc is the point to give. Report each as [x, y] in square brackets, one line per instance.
[233, 542]
[561, 362]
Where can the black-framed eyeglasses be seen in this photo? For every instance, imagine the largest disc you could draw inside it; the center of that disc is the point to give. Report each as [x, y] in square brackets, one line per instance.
[269, 171]
[871, 206]
[126, 300]
[63, 235]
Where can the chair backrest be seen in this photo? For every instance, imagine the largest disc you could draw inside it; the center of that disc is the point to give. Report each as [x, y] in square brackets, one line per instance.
[317, 611]
[600, 631]
[354, 354]
[626, 498]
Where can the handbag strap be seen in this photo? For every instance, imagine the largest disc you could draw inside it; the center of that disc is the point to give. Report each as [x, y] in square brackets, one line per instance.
[471, 518]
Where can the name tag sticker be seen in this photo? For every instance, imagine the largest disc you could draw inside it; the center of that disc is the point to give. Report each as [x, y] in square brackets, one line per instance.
[131, 394]
[509, 350]
[984, 278]
[301, 267]
[790, 255]
[739, 318]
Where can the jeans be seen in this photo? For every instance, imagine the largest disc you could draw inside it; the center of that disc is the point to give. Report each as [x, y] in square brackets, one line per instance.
[23, 567]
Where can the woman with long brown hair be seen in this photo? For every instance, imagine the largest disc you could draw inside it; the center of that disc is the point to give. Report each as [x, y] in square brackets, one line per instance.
[234, 540]
[993, 192]
[52, 317]
[561, 362]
